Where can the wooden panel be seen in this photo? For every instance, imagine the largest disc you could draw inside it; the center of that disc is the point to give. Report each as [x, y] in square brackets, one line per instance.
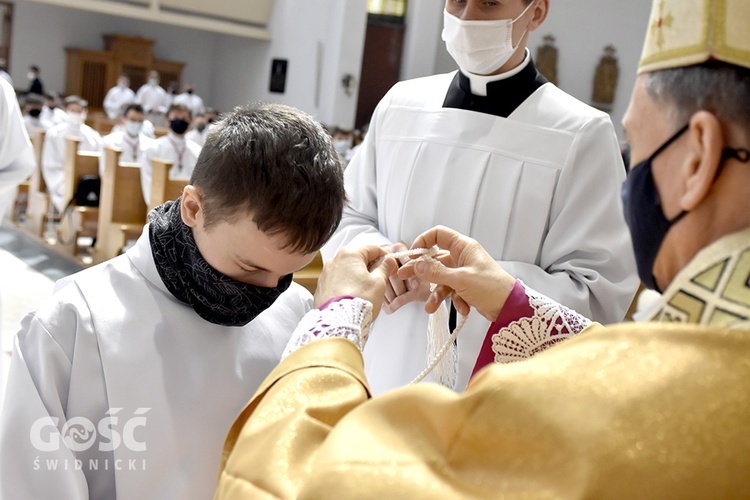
[38, 201]
[94, 86]
[122, 210]
[163, 188]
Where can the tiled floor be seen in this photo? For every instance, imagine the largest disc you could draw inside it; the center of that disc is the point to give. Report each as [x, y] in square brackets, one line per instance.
[28, 271]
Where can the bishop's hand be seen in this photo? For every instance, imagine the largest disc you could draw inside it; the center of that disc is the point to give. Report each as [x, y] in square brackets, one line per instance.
[467, 273]
[360, 272]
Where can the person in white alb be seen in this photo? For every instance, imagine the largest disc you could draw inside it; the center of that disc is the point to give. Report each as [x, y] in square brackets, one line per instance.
[129, 138]
[190, 99]
[154, 99]
[182, 152]
[32, 108]
[52, 114]
[118, 97]
[496, 152]
[124, 383]
[53, 151]
[16, 164]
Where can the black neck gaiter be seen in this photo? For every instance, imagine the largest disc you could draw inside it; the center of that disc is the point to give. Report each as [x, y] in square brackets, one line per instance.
[186, 274]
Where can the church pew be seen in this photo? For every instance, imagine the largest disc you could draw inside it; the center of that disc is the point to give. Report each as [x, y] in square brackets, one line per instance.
[163, 188]
[79, 220]
[38, 202]
[308, 276]
[122, 211]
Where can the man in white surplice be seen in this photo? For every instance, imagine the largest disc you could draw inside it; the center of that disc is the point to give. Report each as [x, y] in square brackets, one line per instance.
[16, 164]
[125, 383]
[496, 152]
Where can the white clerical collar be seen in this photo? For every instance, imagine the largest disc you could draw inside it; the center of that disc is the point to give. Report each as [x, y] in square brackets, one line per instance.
[479, 82]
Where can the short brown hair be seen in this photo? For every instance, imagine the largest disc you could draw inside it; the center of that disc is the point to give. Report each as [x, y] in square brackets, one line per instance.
[278, 165]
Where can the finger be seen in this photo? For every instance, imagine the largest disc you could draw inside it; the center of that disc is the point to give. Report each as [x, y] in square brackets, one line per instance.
[390, 294]
[433, 272]
[386, 268]
[437, 296]
[372, 254]
[443, 237]
[399, 287]
[461, 305]
[401, 301]
[407, 270]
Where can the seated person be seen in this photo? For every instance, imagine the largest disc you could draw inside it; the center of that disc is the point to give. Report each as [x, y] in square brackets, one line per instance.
[124, 383]
[200, 129]
[174, 147]
[129, 138]
[636, 410]
[32, 109]
[53, 150]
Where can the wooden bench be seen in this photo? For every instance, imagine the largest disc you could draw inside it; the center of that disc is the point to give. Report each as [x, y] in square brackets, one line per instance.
[122, 211]
[38, 204]
[308, 276]
[163, 188]
[78, 221]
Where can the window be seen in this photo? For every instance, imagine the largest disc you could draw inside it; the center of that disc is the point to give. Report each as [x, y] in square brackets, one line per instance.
[386, 11]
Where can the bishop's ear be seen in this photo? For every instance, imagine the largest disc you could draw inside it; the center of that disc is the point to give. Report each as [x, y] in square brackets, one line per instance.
[706, 143]
[191, 208]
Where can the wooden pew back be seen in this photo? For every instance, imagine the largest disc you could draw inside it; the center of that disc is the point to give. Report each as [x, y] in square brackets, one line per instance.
[162, 187]
[79, 220]
[38, 199]
[122, 211]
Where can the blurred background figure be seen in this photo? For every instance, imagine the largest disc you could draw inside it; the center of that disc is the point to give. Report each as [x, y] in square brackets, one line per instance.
[192, 100]
[200, 129]
[154, 100]
[129, 137]
[35, 83]
[32, 108]
[118, 98]
[342, 141]
[53, 151]
[52, 114]
[4, 71]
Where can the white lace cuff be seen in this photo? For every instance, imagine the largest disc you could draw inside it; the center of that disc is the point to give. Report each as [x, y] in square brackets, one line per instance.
[349, 318]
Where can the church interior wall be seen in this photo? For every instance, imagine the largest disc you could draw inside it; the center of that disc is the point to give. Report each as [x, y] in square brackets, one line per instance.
[41, 33]
[582, 28]
[323, 40]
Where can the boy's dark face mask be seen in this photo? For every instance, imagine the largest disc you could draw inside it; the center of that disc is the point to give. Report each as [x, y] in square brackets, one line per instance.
[215, 297]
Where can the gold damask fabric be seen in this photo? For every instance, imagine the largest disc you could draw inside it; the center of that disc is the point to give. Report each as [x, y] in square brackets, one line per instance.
[714, 289]
[685, 32]
[651, 410]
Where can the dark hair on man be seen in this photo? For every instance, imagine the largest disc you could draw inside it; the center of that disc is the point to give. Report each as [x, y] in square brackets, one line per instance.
[133, 107]
[178, 106]
[278, 165]
[34, 68]
[720, 88]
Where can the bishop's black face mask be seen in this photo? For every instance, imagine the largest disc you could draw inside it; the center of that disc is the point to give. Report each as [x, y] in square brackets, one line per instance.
[35, 112]
[643, 211]
[644, 215]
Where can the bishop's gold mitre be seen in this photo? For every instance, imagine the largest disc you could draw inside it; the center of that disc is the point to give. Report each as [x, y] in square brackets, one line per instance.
[686, 32]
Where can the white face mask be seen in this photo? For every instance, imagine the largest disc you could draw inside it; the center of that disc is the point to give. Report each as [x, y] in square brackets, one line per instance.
[480, 47]
[76, 118]
[341, 146]
[31, 75]
[153, 82]
[133, 127]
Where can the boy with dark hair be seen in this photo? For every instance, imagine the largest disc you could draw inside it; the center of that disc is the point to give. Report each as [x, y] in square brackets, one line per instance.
[125, 382]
